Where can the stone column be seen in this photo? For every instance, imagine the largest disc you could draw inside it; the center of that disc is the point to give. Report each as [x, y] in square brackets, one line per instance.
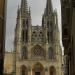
[46, 71]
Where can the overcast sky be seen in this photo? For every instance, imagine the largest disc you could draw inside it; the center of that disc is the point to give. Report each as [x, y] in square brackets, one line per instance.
[37, 10]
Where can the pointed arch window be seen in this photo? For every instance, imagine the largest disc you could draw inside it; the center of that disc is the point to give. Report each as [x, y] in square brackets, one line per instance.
[26, 36]
[51, 53]
[48, 36]
[51, 36]
[51, 24]
[27, 24]
[23, 35]
[48, 24]
[23, 23]
[24, 53]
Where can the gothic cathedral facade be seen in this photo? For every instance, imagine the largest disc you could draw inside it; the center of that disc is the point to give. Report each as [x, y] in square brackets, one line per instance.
[37, 48]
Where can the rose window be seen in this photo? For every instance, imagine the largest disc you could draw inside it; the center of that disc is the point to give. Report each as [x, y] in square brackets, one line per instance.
[38, 51]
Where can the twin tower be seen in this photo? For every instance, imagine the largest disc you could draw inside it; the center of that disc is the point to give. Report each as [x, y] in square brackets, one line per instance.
[38, 50]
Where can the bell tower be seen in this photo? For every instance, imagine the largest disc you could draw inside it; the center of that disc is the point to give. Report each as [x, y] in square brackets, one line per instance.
[25, 21]
[47, 20]
[23, 31]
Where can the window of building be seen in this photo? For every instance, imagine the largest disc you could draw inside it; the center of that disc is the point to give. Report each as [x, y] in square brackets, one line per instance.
[48, 24]
[27, 24]
[48, 36]
[26, 36]
[22, 35]
[24, 53]
[51, 36]
[51, 25]
[51, 53]
[38, 51]
[23, 22]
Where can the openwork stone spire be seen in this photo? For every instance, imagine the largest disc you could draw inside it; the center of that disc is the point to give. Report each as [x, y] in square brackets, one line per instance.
[24, 7]
[49, 8]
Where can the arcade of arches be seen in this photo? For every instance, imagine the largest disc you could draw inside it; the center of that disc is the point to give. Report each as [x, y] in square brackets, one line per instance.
[38, 69]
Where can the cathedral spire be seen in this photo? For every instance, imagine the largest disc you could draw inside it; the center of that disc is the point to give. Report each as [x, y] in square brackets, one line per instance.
[18, 12]
[24, 7]
[49, 8]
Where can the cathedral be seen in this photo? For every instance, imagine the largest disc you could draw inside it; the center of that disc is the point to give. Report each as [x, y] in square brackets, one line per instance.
[37, 48]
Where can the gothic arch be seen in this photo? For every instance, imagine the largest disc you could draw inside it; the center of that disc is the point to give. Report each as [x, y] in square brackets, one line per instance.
[51, 53]
[38, 69]
[24, 53]
[24, 70]
[37, 51]
[52, 70]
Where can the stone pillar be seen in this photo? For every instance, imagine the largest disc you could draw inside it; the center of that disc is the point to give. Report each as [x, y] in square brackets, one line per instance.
[18, 72]
[46, 71]
[29, 71]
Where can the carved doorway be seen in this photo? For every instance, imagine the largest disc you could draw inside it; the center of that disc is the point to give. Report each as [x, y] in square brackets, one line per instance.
[38, 69]
[24, 70]
[52, 70]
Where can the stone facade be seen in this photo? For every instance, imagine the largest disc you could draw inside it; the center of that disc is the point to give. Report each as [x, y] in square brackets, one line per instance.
[8, 63]
[37, 48]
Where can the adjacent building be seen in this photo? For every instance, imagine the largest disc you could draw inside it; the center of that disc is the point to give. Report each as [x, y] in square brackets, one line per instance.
[8, 63]
[2, 33]
[68, 34]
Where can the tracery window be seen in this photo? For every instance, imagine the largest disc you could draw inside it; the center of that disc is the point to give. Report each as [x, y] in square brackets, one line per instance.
[38, 51]
[51, 53]
[24, 53]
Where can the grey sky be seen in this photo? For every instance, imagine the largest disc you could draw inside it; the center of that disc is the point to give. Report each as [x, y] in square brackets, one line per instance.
[37, 10]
